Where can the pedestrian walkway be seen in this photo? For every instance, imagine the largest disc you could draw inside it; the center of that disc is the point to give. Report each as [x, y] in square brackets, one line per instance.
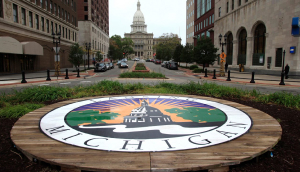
[245, 78]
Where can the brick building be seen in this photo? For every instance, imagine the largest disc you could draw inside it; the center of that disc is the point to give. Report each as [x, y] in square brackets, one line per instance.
[93, 24]
[26, 28]
[204, 19]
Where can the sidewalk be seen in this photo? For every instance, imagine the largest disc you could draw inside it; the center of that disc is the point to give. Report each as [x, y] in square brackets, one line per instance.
[245, 78]
[41, 76]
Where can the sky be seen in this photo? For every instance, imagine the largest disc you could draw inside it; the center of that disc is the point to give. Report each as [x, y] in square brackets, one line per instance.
[161, 16]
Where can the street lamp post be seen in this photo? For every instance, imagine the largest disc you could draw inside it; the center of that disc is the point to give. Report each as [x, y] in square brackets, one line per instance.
[88, 48]
[223, 56]
[282, 72]
[56, 41]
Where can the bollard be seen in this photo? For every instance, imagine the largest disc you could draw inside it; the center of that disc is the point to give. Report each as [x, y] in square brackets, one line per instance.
[78, 76]
[214, 77]
[282, 79]
[48, 76]
[23, 77]
[228, 78]
[205, 73]
[252, 79]
[67, 74]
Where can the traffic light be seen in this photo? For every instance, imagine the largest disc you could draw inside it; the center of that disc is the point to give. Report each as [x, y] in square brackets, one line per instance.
[123, 53]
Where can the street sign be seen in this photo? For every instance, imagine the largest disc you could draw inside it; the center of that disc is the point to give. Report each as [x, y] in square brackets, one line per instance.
[223, 56]
[56, 49]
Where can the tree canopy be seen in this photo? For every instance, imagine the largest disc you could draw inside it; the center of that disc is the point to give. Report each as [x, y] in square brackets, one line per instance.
[99, 56]
[75, 55]
[187, 53]
[118, 46]
[205, 51]
[166, 46]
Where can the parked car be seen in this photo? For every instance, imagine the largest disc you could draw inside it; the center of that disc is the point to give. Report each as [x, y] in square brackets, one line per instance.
[163, 64]
[136, 59]
[100, 67]
[107, 66]
[167, 64]
[111, 65]
[152, 60]
[157, 61]
[124, 60]
[173, 65]
[147, 60]
[119, 62]
[123, 65]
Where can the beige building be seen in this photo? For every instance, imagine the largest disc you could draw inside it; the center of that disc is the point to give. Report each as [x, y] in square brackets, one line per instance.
[143, 41]
[190, 21]
[258, 31]
[93, 24]
[26, 28]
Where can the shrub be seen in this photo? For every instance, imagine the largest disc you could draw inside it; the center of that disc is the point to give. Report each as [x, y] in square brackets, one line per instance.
[197, 70]
[141, 75]
[140, 65]
[193, 67]
[18, 111]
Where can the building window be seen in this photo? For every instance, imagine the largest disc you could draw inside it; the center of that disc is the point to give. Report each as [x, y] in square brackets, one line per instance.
[1, 9]
[58, 11]
[246, 0]
[59, 29]
[85, 8]
[232, 5]
[46, 5]
[15, 13]
[37, 24]
[208, 5]
[203, 7]
[259, 45]
[69, 34]
[52, 30]
[66, 15]
[42, 24]
[201, 25]
[63, 32]
[23, 16]
[242, 47]
[47, 25]
[55, 9]
[229, 47]
[240, 2]
[66, 33]
[208, 34]
[56, 28]
[227, 7]
[30, 20]
[209, 19]
[51, 9]
[213, 18]
[62, 13]
[85, 17]
[220, 12]
[41, 3]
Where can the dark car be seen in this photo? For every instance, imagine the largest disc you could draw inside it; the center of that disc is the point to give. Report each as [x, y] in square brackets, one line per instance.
[167, 64]
[157, 62]
[123, 65]
[173, 65]
[111, 65]
[100, 67]
[148, 60]
[163, 64]
[119, 62]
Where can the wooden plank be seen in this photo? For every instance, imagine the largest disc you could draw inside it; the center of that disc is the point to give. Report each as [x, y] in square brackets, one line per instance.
[264, 134]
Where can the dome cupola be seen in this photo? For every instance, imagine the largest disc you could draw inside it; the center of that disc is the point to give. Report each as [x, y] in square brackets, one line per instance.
[138, 24]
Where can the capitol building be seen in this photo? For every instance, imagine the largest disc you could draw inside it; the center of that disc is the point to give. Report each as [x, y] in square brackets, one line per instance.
[143, 41]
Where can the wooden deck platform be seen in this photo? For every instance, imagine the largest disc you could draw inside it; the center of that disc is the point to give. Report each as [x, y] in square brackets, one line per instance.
[264, 135]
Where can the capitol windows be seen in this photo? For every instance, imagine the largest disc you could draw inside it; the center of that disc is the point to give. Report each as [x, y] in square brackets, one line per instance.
[259, 45]
[229, 47]
[15, 13]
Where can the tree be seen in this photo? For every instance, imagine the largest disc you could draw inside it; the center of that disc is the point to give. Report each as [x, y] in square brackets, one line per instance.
[187, 53]
[205, 51]
[99, 56]
[127, 46]
[114, 52]
[166, 46]
[75, 55]
[177, 53]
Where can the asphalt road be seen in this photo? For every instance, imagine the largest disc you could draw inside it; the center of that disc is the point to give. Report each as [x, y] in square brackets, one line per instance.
[174, 76]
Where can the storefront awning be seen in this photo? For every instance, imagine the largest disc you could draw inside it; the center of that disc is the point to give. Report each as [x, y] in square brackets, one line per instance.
[10, 45]
[32, 48]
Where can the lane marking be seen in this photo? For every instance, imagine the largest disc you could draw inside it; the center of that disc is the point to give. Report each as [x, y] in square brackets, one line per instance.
[65, 83]
[44, 84]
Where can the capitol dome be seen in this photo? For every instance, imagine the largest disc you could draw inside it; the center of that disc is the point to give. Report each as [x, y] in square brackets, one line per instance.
[138, 24]
[138, 16]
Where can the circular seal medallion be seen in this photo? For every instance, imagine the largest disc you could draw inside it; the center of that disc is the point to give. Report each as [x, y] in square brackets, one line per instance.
[145, 123]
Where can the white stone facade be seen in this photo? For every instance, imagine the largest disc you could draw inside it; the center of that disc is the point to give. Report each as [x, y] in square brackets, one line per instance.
[275, 15]
[91, 33]
[190, 21]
